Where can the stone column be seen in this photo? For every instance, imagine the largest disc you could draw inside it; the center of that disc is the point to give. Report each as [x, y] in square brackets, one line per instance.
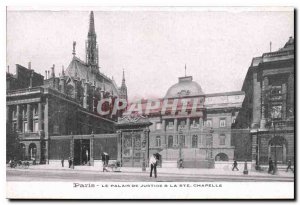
[29, 118]
[291, 95]
[46, 119]
[164, 133]
[175, 125]
[92, 150]
[19, 124]
[119, 141]
[254, 148]
[265, 84]
[284, 94]
[8, 114]
[40, 116]
[72, 150]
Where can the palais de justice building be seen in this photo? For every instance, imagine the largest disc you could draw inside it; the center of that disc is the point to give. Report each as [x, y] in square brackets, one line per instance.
[54, 116]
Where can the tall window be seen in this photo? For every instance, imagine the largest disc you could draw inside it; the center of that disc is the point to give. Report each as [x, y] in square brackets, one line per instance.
[36, 126]
[208, 123]
[158, 126]
[222, 123]
[170, 141]
[158, 142]
[222, 139]
[194, 141]
[25, 127]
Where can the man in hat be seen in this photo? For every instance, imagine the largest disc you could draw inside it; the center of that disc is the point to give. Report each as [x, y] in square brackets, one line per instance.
[152, 164]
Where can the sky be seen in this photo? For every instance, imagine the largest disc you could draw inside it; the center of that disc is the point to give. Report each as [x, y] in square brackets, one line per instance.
[152, 46]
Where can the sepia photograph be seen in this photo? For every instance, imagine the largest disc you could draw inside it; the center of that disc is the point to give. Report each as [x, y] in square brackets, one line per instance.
[150, 103]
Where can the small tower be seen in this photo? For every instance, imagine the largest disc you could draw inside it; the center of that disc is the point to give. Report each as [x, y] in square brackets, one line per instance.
[91, 45]
[123, 89]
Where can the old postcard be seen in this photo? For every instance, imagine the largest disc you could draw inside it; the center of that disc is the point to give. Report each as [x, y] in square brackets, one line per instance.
[150, 103]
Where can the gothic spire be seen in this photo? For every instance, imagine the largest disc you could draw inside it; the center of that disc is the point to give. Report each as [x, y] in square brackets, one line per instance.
[91, 45]
[123, 79]
[92, 24]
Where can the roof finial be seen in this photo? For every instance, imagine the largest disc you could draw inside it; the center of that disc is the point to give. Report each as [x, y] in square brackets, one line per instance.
[74, 48]
[185, 70]
[270, 46]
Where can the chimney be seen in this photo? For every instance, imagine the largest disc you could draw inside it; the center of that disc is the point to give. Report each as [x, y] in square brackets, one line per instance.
[29, 65]
[8, 69]
[46, 75]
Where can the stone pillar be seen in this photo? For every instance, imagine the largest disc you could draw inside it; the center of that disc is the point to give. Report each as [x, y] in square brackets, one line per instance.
[29, 118]
[47, 151]
[164, 125]
[46, 119]
[19, 124]
[291, 95]
[254, 149]
[72, 150]
[284, 95]
[40, 116]
[119, 141]
[188, 123]
[163, 133]
[265, 84]
[92, 150]
[175, 125]
[8, 114]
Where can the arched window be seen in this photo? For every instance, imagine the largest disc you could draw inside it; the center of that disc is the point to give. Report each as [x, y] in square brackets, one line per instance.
[157, 141]
[221, 157]
[194, 141]
[170, 141]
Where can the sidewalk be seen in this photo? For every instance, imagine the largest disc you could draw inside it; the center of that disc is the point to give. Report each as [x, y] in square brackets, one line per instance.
[172, 171]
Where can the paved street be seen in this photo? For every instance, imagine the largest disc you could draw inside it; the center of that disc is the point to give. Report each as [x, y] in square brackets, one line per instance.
[69, 175]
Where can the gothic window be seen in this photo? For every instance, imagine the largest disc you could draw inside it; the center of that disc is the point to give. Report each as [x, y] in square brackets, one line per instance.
[194, 141]
[158, 141]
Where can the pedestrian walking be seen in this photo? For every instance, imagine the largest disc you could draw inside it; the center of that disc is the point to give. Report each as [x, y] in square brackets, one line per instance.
[289, 166]
[70, 162]
[235, 164]
[152, 164]
[271, 166]
[181, 164]
[62, 162]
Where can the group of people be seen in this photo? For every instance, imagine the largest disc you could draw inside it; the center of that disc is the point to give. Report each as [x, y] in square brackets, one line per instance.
[271, 168]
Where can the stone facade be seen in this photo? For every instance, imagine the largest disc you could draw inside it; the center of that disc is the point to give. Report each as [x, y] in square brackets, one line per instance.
[39, 108]
[268, 108]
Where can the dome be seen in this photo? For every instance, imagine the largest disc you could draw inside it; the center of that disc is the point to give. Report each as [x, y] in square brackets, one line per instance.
[185, 87]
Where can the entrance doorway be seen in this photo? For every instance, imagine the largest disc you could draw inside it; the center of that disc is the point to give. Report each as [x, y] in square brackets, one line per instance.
[81, 152]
